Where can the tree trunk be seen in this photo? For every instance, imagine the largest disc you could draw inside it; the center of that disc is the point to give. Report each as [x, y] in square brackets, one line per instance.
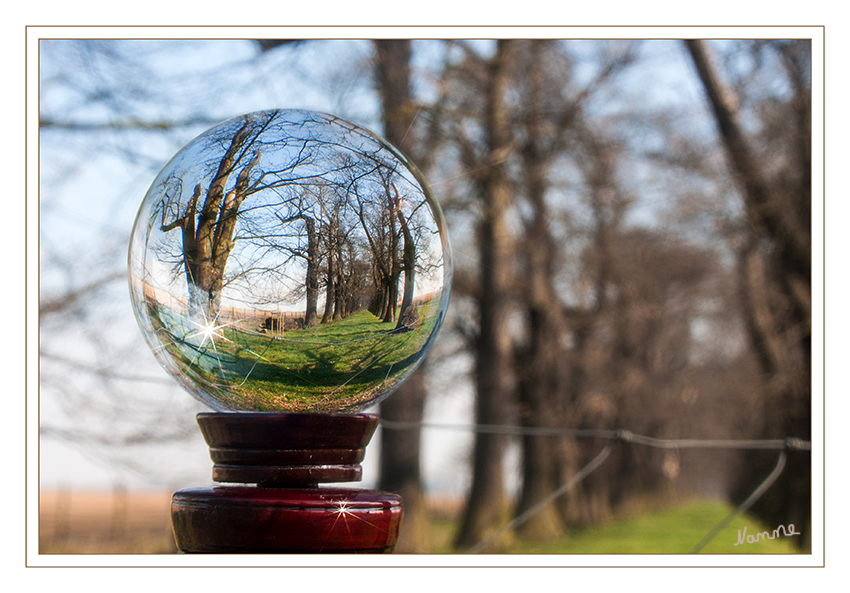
[541, 391]
[776, 294]
[486, 505]
[207, 242]
[312, 279]
[540, 454]
[395, 273]
[409, 268]
[207, 272]
[540, 370]
[339, 292]
[330, 290]
[400, 470]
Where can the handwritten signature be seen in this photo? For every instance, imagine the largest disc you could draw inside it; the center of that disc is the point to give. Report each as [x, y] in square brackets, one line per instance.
[751, 539]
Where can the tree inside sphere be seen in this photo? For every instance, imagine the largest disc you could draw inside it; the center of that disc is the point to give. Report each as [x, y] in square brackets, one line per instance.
[289, 261]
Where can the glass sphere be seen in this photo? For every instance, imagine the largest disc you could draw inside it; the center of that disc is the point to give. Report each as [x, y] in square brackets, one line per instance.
[289, 261]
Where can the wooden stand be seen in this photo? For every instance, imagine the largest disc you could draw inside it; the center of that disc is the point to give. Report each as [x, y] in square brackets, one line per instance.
[286, 457]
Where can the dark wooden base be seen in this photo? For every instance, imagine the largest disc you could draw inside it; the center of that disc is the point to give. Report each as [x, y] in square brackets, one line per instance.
[287, 456]
[234, 519]
[288, 450]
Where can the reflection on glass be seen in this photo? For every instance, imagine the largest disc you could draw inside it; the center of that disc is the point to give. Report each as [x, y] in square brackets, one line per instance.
[289, 261]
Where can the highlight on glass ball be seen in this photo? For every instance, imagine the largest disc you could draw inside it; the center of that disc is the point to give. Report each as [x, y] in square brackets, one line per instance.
[289, 261]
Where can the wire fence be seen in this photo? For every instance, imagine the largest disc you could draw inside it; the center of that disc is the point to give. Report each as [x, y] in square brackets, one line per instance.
[613, 437]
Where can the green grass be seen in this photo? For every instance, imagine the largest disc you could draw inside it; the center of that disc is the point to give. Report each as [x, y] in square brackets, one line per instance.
[338, 366]
[675, 530]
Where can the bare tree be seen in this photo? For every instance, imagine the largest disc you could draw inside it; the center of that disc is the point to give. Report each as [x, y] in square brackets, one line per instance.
[208, 236]
[775, 259]
[487, 166]
[553, 126]
[312, 258]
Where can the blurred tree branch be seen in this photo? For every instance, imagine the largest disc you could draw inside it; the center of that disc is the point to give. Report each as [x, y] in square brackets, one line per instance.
[74, 297]
[123, 125]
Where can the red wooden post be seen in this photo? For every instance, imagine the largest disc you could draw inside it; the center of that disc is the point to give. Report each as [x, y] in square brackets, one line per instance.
[286, 457]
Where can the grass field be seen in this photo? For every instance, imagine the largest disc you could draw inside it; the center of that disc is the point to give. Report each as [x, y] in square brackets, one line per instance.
[338, 365]
[128, 523]
[335, 367]
[671, 531]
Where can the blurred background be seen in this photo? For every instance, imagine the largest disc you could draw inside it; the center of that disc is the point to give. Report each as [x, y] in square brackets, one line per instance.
[631, 233]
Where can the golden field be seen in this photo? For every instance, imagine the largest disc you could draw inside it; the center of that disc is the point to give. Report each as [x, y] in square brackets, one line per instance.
[116, 522]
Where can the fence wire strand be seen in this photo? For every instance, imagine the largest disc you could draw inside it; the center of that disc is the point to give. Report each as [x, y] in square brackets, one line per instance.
[751, 499]
[613, 436]
[603, 433]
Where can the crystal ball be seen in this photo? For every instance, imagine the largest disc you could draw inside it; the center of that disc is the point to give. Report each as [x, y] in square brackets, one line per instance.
[289, 261]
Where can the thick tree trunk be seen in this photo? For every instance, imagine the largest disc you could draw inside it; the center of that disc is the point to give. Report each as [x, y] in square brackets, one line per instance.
[207, 242]
[400, 469]
[190, 243]
[541, 384]
[776, 294]
[542, 390]
[224, 236]
[393, 75]
[207, 273]
[540, 454]
[486, 505]
[312, 279]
